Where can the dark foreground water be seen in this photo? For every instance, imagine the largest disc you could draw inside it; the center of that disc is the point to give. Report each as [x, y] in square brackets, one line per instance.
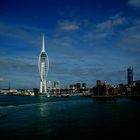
[71, 118]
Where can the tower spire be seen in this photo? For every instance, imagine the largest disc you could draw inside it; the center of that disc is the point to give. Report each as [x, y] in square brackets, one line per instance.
[43, 44]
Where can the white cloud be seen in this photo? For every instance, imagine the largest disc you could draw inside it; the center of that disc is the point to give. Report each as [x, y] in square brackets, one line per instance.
[109, 24]
[106, 28]
[1, 79]
[61, 43]
[130, 37]
[20, 32]
[134, 3]
[66, 25]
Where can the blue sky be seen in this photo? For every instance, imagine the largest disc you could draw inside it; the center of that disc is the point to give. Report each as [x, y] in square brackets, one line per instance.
[85, 40]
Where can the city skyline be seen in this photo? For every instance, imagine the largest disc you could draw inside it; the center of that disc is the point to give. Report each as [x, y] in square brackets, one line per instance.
[85, 40]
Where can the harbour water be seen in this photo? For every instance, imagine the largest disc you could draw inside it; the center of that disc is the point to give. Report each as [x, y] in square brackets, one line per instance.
[68, 118]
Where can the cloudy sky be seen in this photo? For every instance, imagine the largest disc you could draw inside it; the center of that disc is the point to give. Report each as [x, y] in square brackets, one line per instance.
[85, 40]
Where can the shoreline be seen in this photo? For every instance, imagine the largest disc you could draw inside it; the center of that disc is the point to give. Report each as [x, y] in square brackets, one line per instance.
[91, 96]
[114, 96]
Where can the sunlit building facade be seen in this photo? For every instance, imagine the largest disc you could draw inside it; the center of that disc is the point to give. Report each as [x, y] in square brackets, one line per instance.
[43, 65]
[57, 85]
[49, 86]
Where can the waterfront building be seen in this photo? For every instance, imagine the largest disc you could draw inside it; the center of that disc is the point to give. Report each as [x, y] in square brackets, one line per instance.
[72, 88]
[57, 85]
[78, 87]
[98, 82]
[43, 65]
[35, 90]
[49, 86]
[130, 75]
[84, 86]
[136, 87]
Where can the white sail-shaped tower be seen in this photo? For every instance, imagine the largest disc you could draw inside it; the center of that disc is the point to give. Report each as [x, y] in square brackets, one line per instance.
[43, 65]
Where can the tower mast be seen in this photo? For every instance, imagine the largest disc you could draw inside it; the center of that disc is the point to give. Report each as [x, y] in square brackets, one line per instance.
[43, 44]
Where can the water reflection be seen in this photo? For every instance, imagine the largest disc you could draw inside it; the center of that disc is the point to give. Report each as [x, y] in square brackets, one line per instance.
[43, 109]
[107, 101]
[115, 103]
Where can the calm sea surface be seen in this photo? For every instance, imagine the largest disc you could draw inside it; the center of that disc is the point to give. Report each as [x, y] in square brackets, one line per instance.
[68, 118]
